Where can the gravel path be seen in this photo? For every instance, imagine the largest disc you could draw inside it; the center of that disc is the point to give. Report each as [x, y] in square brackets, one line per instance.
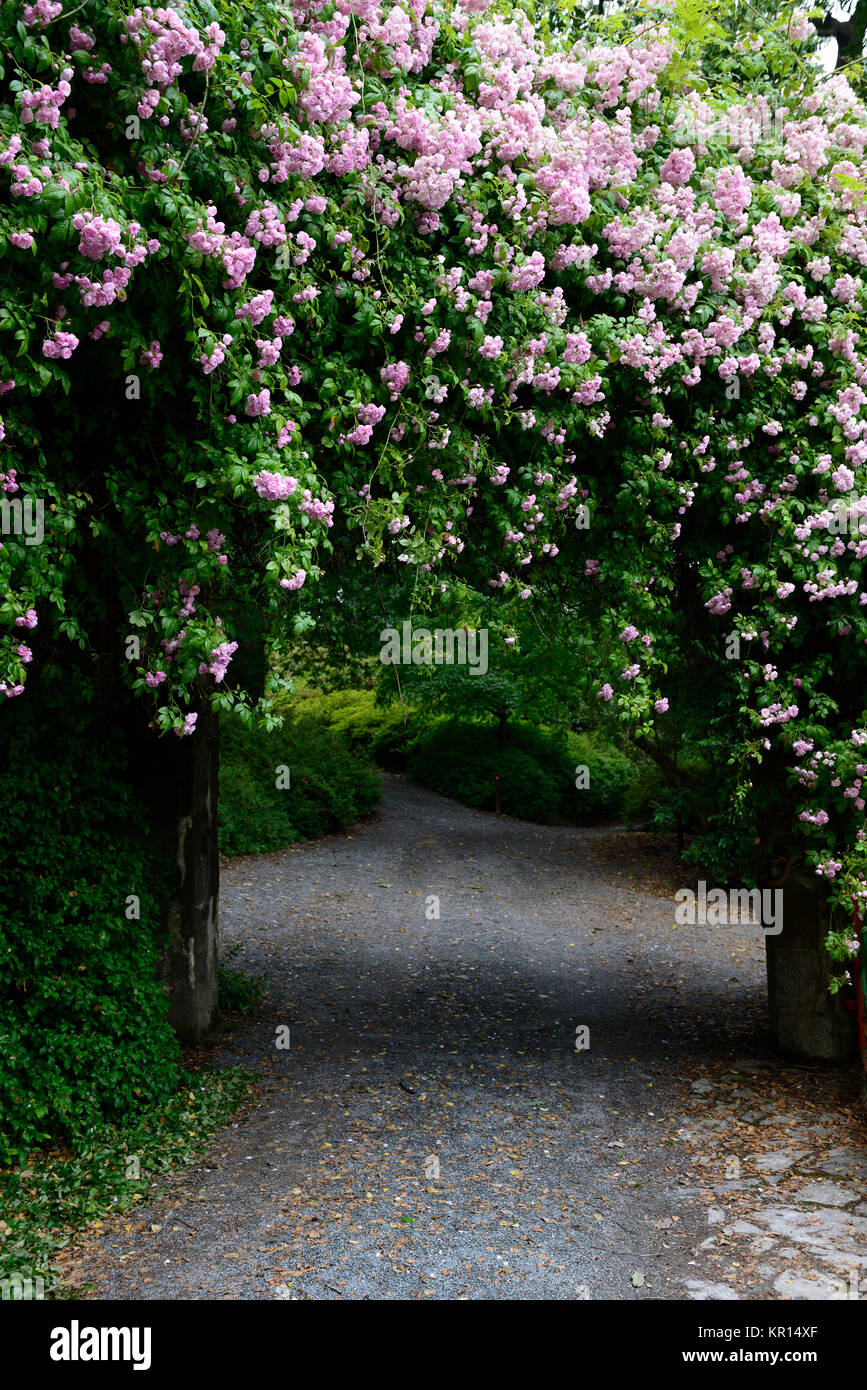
[431, 1131]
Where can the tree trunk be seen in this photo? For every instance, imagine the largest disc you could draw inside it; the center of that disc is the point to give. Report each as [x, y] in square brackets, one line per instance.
[181, 786]
[849, 33]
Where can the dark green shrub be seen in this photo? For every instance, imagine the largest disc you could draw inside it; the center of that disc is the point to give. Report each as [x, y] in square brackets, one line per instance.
[330, 785]
[653, 799]
[84, 1037]
[377, 730]
[537, 770]
[527, 790]
[644, 791]
[392, 737]
[59, 1193]
[609, 772]
[461, 760]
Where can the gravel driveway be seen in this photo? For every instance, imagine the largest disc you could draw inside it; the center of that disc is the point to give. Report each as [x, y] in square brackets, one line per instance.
[431, 1130]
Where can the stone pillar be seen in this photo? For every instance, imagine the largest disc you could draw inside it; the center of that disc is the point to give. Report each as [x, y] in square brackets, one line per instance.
[807, 1022]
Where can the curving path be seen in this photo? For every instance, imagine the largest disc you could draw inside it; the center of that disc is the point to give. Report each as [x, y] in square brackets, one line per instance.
[431, 1131]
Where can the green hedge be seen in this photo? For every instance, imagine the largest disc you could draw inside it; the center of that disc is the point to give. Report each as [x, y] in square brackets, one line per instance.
[330, 785]
[84, 1036]
[459, 758]
[611, 775]
[643, 794]
[536, 771]
[57, 1194]
[378, 731]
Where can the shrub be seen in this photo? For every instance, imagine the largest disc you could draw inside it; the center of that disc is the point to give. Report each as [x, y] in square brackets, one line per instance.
[644, 791]
[377, 730]
[60, 1193]
[654, 800]
[536, 770]
[527, 790]
[84, 1034]
[610, 775]
[330, 785]
[392, 737]
[461, 760]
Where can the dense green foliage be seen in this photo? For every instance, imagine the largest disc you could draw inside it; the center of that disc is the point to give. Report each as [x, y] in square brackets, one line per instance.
[536, 770]
[610, 775]
[58, 1192]
[569, 326]
[329, 786]
[381, 731]
[461, 760]
[446, 739]
[84, 1036]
